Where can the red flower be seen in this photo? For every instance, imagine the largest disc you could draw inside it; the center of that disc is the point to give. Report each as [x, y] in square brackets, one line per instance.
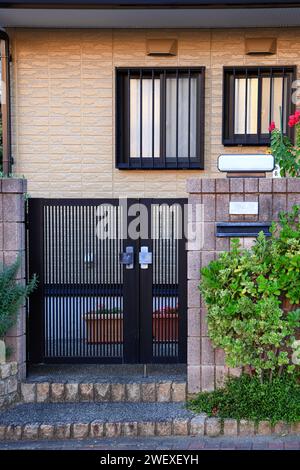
[272, 126]
[294, 119]
[297, 114]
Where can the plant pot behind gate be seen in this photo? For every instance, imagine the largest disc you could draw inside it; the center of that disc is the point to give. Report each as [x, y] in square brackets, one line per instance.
[165, 327]
[104, 328]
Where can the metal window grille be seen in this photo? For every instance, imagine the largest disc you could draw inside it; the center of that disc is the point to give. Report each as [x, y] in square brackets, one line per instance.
[253, 97]
[160, 118]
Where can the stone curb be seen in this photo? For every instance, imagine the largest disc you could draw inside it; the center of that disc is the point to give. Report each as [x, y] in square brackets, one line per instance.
[199, 425]
[132, 392]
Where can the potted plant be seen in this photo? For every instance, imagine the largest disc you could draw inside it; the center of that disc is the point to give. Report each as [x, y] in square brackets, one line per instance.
[104, 325]
[285, 152]
[165, 324]
[12, 297]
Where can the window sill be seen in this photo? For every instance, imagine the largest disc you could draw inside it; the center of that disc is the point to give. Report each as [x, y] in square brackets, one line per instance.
[245, 143]
[166, 166]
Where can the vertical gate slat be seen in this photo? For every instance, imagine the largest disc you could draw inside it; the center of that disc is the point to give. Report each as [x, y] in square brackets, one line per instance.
[36, 338]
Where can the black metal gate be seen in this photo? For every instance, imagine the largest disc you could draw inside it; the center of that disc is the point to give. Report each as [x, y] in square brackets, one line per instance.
[105, 294]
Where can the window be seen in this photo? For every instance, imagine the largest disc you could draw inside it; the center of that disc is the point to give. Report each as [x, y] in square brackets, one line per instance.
[160, 118]
[5, 154]
[253, 98]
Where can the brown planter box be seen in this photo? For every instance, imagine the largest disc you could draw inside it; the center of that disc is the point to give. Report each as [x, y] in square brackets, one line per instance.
[165, 327]
[104, 328]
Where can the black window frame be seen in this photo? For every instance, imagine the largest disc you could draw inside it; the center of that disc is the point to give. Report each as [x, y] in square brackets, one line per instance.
[229, 138]
[122, 113]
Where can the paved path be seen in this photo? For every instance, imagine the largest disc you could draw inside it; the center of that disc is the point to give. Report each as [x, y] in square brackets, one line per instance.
[164, 443]
[52, 413]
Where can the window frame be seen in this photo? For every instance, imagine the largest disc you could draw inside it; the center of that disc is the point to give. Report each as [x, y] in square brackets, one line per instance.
[122, 114]
[229, 138]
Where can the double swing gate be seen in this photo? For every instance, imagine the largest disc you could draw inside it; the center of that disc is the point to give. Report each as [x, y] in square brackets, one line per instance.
[111, 281]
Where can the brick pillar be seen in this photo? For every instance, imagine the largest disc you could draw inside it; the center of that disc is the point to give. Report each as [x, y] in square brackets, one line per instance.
[206, 366]
[12, 244]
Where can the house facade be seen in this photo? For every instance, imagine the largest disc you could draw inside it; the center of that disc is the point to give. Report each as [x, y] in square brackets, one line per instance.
[128, 99]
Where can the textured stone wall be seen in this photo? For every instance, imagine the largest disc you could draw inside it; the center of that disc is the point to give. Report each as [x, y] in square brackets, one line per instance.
[206, 366]
[12, 244]
[63, 104]
[8, 384]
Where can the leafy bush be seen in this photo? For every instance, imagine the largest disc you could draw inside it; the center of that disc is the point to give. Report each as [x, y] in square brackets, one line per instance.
[12, 295]
[246, 397]
[252, 298]
[286, 152]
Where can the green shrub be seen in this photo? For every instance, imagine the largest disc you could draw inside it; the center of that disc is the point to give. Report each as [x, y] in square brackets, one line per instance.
[12, 295]
[247, 398]
[252, 298]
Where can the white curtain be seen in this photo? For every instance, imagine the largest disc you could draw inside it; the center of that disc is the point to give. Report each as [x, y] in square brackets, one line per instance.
[240, 105]
[147, 118]
[276, 103]
[183, 122]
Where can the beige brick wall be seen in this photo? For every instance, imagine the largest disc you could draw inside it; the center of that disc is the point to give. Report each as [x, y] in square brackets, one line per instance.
[63, 104]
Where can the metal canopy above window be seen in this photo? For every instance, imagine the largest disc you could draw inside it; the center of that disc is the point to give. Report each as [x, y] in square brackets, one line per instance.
[253, 97]
[160, 118]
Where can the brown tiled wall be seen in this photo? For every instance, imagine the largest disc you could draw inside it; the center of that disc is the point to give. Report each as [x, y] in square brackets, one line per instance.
[63, 104]
[206, 366]
[12, 244]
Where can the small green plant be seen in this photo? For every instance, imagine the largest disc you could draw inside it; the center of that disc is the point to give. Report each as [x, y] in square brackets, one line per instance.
[286, 153]
[246, 397]
[101, 310]
[253, 297]
[12, 295]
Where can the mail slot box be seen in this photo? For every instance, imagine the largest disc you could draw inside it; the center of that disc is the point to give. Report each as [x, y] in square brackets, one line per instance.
[242, 229]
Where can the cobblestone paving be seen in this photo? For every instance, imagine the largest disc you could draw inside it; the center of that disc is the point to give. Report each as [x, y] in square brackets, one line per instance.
[167, 443]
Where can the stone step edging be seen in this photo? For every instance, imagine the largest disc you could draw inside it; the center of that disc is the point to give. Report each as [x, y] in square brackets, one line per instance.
[200, 425]
[50, 392]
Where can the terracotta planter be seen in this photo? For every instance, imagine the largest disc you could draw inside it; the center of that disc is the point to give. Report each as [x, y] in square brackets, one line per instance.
[165, 327]
[104, 328]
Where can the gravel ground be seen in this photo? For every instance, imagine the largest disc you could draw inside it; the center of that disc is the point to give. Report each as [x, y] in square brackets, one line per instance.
[103, 373]
[52, 413]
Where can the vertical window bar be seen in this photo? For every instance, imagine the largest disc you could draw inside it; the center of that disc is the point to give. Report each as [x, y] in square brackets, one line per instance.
[189, 118]
[153, 116]
[282, 117]
[128, 118]
[164, 117]
[141, 116]
[177, 106]
[271, 94]
[259, 104]
[246, 105]
[233, 107]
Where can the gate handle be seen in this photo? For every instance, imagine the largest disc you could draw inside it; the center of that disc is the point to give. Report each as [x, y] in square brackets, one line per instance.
[145, 257]
[127, 258]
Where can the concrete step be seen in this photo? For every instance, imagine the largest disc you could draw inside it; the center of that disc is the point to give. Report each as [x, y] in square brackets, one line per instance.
[95, 420]
[102, 391]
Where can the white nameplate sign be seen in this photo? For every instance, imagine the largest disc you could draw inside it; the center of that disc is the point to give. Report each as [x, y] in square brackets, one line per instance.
[246, 163]
[243, 208]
